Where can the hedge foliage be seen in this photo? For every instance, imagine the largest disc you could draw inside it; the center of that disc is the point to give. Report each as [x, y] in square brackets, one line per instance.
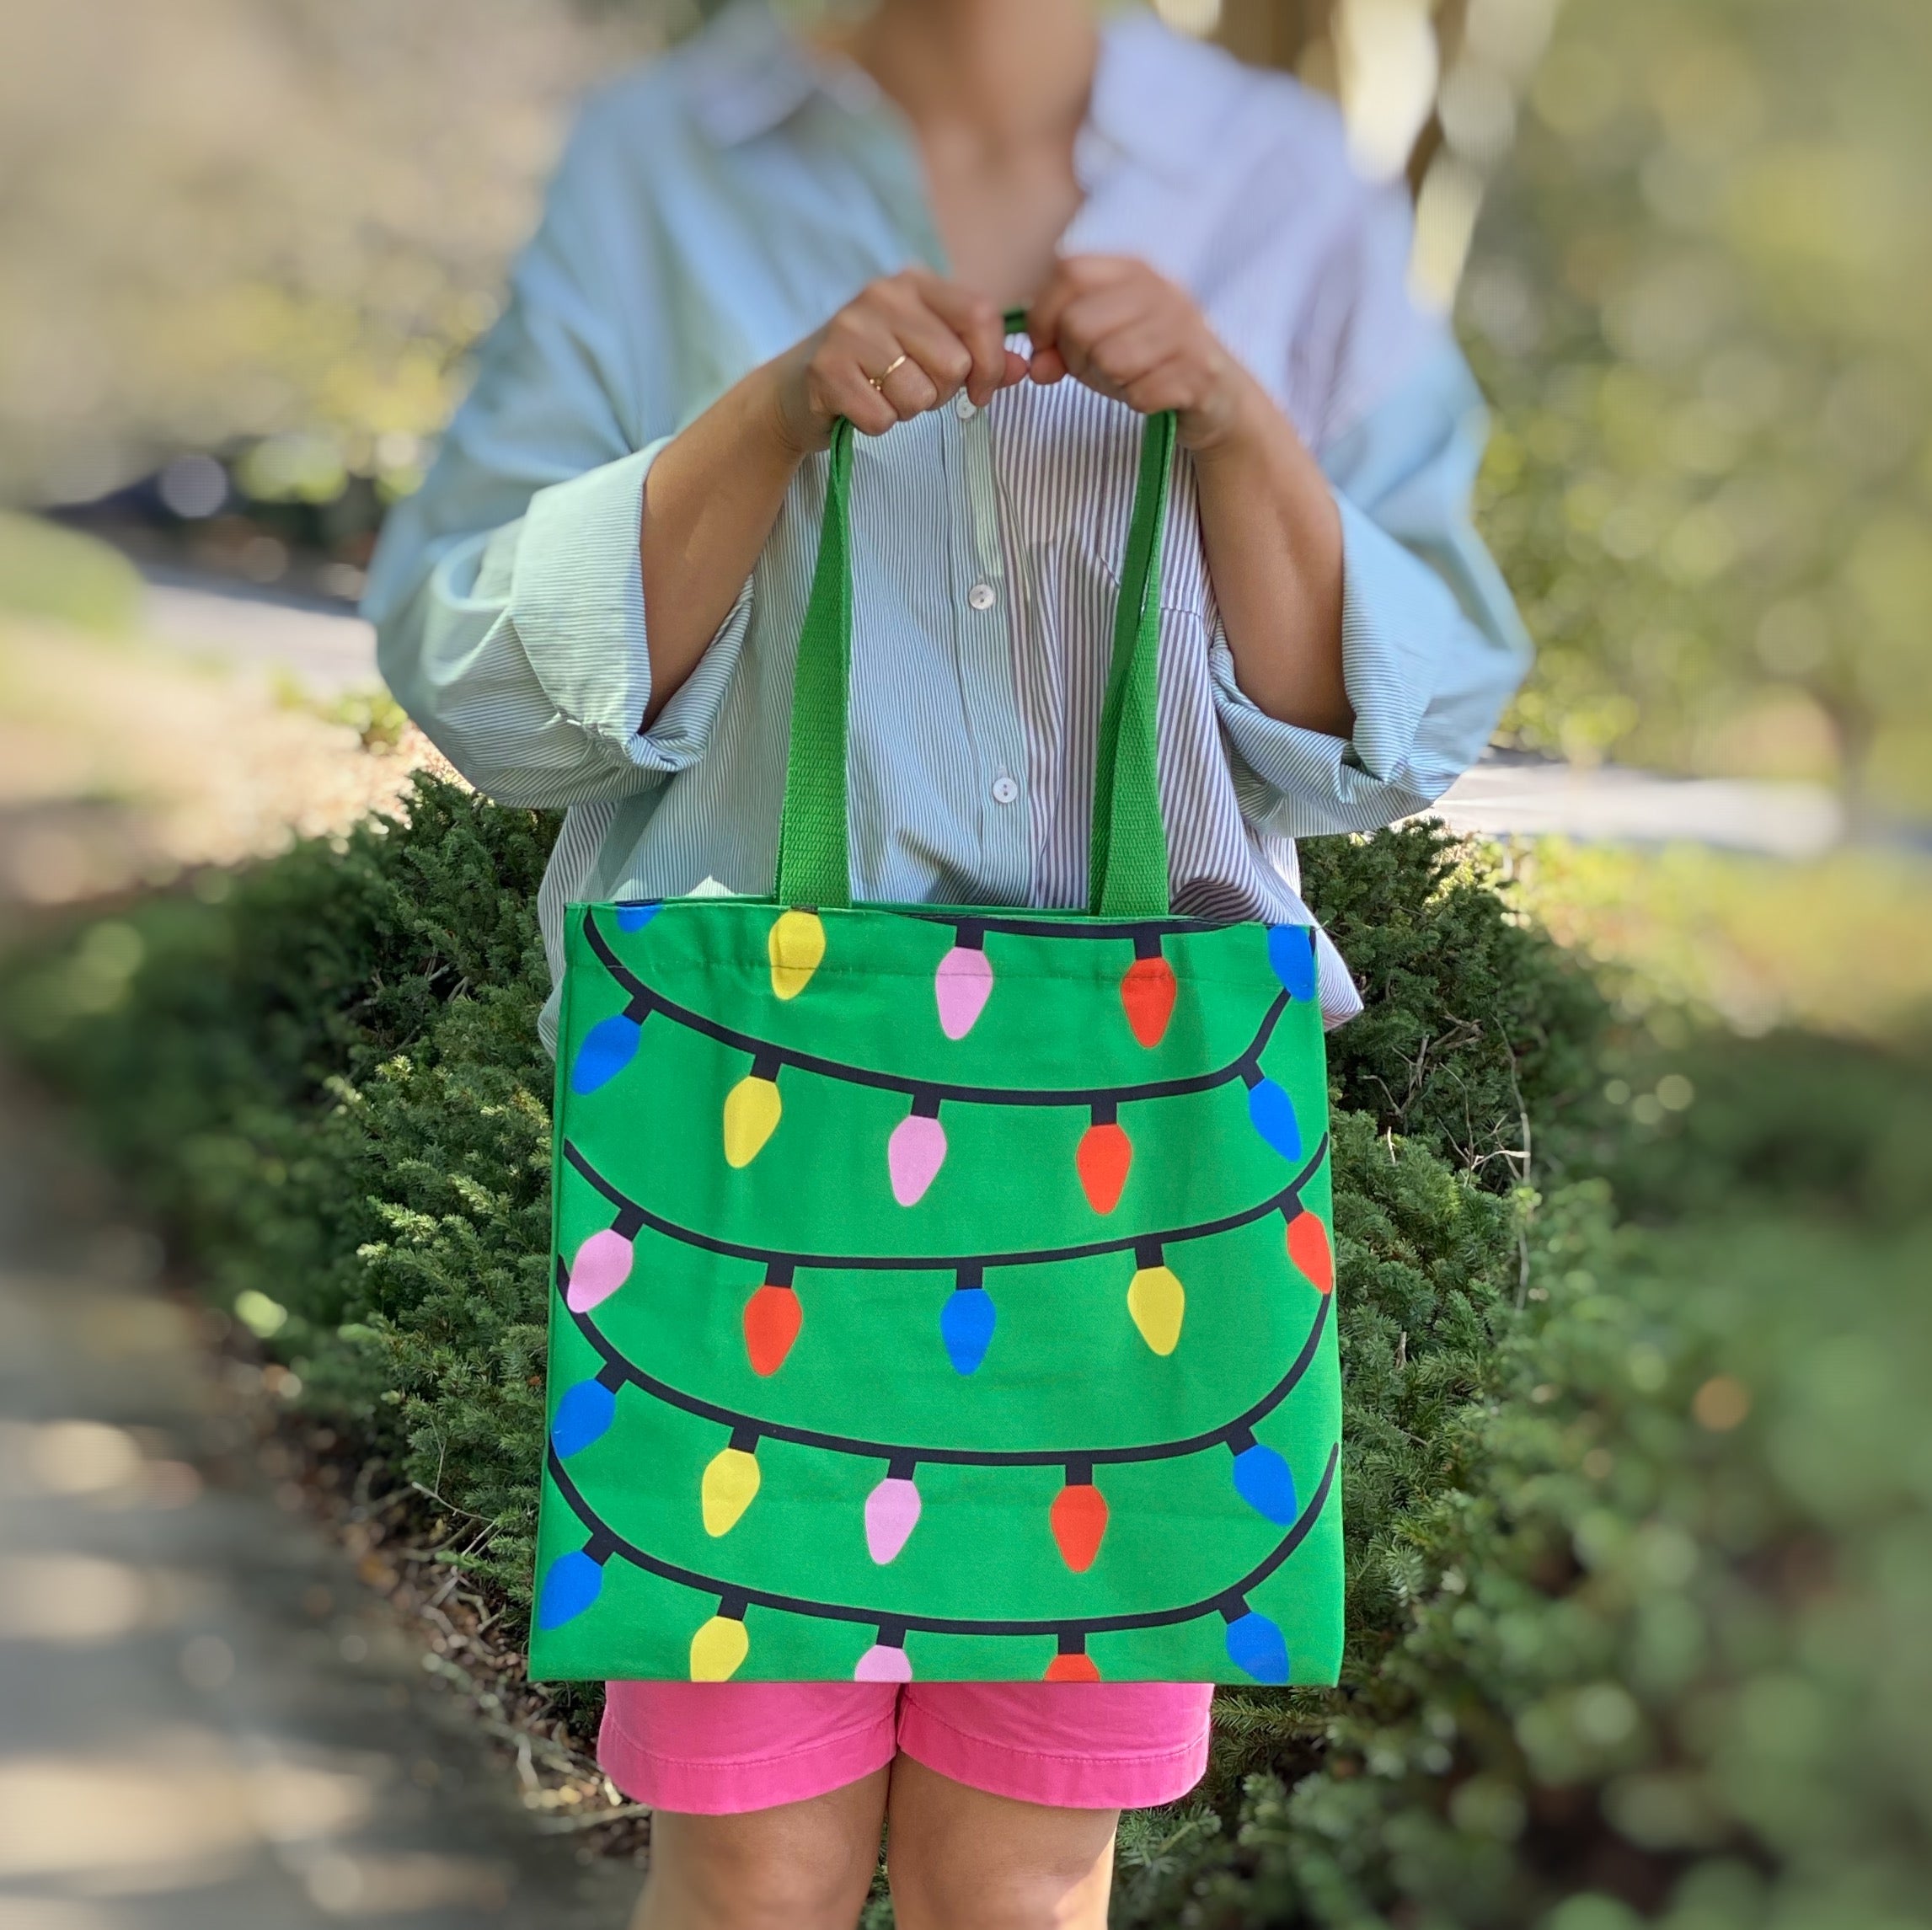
[1636, 1513]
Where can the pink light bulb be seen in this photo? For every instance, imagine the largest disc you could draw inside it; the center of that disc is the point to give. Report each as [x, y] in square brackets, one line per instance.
[601, 1266]
[914, 1154]
[880, 1664]
[892, 1513]
[962, 985]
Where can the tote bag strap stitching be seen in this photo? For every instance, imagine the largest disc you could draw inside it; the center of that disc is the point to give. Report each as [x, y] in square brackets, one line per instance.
[1127, 864]
[814, 867]
[1128, 848]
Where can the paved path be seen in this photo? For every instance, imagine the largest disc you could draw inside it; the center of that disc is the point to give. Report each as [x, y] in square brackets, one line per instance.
[333, 651]
[326, 648]
[1529, 798]
[205, 1722]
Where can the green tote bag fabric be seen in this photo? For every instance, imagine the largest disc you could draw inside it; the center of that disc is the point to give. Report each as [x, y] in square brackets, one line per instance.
[943, 1292]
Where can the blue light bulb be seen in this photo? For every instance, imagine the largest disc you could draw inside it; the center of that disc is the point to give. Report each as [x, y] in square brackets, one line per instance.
[966, 1325]
[1292, 953]
[1266, 1482]
[608, 1047]
[635, 918]
[585, 1414]
[573, 1583]
[1256, 1647]
[1273, 1113]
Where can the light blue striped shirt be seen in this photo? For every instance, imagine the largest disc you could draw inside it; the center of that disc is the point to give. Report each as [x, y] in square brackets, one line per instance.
[717, 206]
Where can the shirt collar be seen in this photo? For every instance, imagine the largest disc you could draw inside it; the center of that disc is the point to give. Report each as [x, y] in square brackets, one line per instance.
[750, 74]
[1154, 101]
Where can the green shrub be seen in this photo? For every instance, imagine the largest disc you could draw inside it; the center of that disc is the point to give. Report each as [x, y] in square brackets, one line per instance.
[1479, 1039]
[1792, 1121]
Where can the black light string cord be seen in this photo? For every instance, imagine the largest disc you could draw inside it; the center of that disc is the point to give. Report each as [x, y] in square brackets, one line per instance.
[646, 1001]
[1075, 925]
[604, 1543]
[632, 1215]
[619, 1370]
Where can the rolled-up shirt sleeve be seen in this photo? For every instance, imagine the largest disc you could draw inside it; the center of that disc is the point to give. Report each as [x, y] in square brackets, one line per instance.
[1432, 647]
[507, 593]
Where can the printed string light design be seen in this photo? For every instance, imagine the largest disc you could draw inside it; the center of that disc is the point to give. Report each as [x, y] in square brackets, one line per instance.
[965, 979]
[1155, 1296]
[1262, 1476]
[916, 1152]
[917, 1149]
[962, 985]
[1149, 988]
[719, 1646]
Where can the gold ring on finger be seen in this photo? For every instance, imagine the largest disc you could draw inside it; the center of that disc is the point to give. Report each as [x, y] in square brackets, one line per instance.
[891, 369]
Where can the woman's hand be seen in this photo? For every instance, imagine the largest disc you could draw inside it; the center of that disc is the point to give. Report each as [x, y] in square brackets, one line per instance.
[905, 344]
[1268, 520]
[902, 346]
[1124, 329]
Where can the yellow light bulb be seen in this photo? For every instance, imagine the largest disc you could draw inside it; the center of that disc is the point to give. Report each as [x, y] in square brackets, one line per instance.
[796, 944]
[752, 1110]
[730, 1485]
[719, 1649]
[1158, 1301]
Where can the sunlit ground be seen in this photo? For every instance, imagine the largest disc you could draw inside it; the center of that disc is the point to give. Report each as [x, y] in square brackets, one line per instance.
[126, 759]
[1841, 945]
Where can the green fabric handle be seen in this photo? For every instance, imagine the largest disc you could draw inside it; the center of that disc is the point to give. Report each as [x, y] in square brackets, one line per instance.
[814, 868]
[1128, 860]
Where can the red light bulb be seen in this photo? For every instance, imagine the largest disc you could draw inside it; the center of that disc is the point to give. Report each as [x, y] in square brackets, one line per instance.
[1079, 1520]
[772, 1318]
[1075, 1668]
[1104, 1157]
[1148, 993]
[1309, 1248]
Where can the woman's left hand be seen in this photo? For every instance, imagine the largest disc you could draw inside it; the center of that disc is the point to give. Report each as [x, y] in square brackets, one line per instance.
[1124, 329]
[1268, 521]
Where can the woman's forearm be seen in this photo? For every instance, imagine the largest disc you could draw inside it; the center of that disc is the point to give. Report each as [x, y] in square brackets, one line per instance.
[904, 344]
[1272, 532]
[1273, 538]
[709, 503]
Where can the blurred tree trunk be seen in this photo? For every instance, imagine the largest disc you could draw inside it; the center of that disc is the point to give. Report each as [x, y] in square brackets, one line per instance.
[1275, 32]
[1303, 36]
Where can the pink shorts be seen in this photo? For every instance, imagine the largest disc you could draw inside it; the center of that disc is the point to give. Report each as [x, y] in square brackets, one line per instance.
[716, 1749]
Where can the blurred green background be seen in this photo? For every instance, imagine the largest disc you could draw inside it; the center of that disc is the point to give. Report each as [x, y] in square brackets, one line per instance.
[1702, 310]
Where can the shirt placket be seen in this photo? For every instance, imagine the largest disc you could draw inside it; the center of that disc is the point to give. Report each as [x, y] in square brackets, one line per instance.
[982, 600]
[978, 588]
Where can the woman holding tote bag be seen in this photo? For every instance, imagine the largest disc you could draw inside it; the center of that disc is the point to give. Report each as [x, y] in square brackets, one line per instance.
[981, 461]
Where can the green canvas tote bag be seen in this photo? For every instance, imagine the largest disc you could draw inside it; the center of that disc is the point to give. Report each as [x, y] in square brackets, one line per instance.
[943, 1292]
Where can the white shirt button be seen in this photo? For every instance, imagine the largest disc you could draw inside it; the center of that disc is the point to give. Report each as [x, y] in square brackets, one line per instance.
[1004, 790]
[963, 407]
[981, 596]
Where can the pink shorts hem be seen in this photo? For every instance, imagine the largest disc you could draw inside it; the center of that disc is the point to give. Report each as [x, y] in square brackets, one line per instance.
[725, 1749]
[1061, 1780]
[701, 1787]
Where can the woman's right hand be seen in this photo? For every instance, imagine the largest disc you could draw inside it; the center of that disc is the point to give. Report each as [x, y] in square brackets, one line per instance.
[715, 492]
[933, 336]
